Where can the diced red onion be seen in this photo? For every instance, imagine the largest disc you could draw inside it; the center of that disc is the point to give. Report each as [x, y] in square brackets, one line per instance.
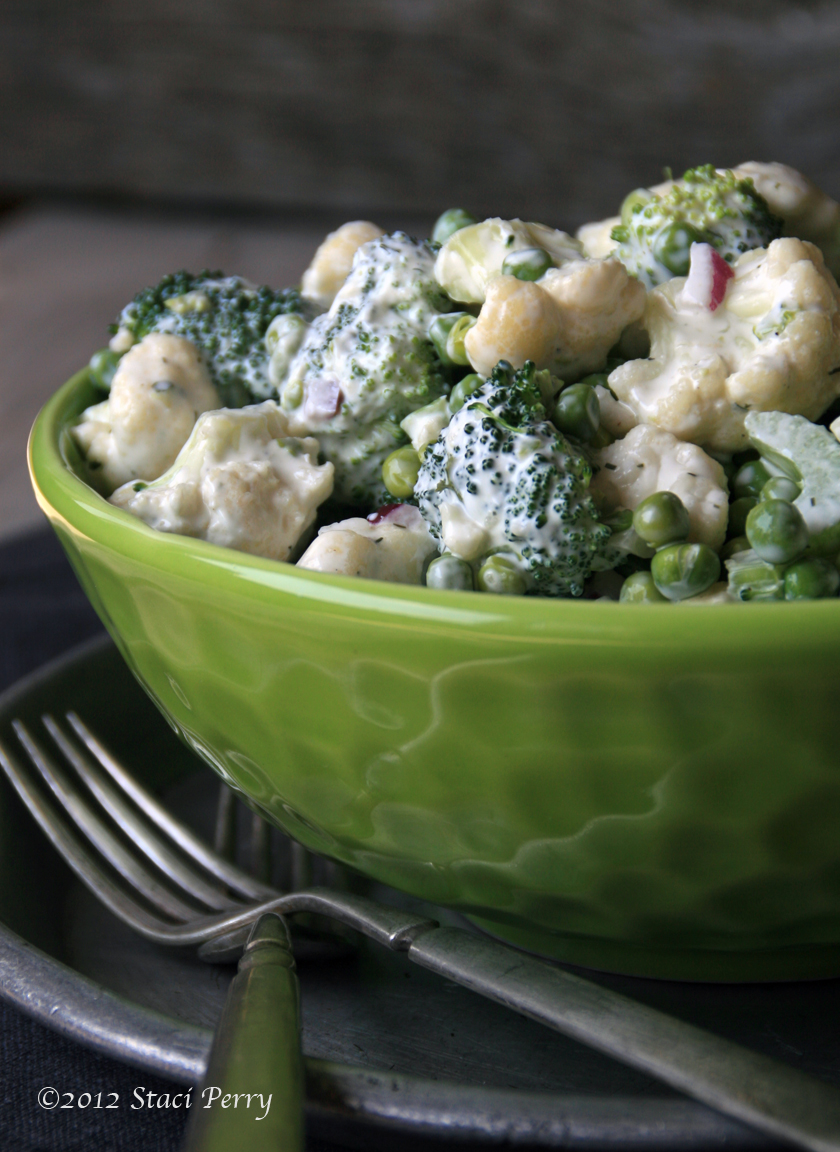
[405, 515]
[323, 398]
[708, 277]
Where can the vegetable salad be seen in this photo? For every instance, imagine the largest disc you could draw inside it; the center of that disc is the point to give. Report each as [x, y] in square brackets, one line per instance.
[648, 411]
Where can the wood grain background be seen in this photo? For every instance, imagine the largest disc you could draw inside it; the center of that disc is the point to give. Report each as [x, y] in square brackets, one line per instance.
[545, 108]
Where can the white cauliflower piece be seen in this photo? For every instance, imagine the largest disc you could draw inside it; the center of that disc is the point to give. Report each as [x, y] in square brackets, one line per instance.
[567, 321]
[596, 299]
[393, 544]
[333, 261]
[595, 238]
[806, 210]
[472, 256]
[773, 343]
[240, 481]
[518, 321]
[161, 385]
[649, 460]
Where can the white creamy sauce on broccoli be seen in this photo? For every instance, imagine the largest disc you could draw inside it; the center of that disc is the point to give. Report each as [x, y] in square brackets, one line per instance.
[367, 363]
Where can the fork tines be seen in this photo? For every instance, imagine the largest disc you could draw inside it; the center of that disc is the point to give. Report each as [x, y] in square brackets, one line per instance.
[128, 840]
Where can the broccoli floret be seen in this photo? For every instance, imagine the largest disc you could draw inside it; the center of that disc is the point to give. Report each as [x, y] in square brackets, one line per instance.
[226, 317]
[500, 477]
[368, 362]
[657, 230]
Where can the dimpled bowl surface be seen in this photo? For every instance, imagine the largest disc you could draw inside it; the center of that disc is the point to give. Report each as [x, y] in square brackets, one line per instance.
[652, 790]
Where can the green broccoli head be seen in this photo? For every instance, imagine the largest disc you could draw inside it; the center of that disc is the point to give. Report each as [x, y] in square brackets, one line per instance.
[226, 317]
[368, 362]
[707, 206]
[501, 478]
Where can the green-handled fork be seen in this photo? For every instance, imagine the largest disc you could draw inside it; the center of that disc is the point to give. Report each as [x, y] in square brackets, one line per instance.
[197, 898]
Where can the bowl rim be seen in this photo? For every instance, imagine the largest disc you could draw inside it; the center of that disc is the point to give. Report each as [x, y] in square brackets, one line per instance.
[77, 509]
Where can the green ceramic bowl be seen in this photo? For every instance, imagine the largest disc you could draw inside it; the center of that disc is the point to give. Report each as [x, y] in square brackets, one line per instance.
[652, 790]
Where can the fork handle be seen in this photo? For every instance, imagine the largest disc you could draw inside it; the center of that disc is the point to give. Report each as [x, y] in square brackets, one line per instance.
[255, 1068]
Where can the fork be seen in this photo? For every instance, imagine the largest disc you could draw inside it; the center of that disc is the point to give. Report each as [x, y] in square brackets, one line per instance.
[748, 1086]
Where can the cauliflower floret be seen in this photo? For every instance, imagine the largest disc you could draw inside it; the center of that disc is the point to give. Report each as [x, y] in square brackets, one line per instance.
[333, 261]
[596, 300]
[392, 544]
[367, 363]
[566, 322]
[159, 388]
[806, 210]
[649, 460]
[472, 256]
[596, 238]
[518, 321]
[773, 343]
[240, 481]
[500, 477]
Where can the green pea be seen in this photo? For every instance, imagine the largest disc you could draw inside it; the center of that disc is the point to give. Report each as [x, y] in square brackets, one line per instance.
[500, 573]
[527, 264]
[776, 531]
[736, 544]
[780, 488]
[750, 479]
[103, 365]
[639, 588]
[447, 334]
[672, 247]
[448, 571]
[400, 471]
[463, 390]
[449, 222]
[661, 519]
[632, 201]
[578, 412]
[811, 580]
[738, 511]
[683, 570]
[292, 395]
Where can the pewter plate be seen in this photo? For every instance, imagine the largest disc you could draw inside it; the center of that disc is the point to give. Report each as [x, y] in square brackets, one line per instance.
[392, 1052]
